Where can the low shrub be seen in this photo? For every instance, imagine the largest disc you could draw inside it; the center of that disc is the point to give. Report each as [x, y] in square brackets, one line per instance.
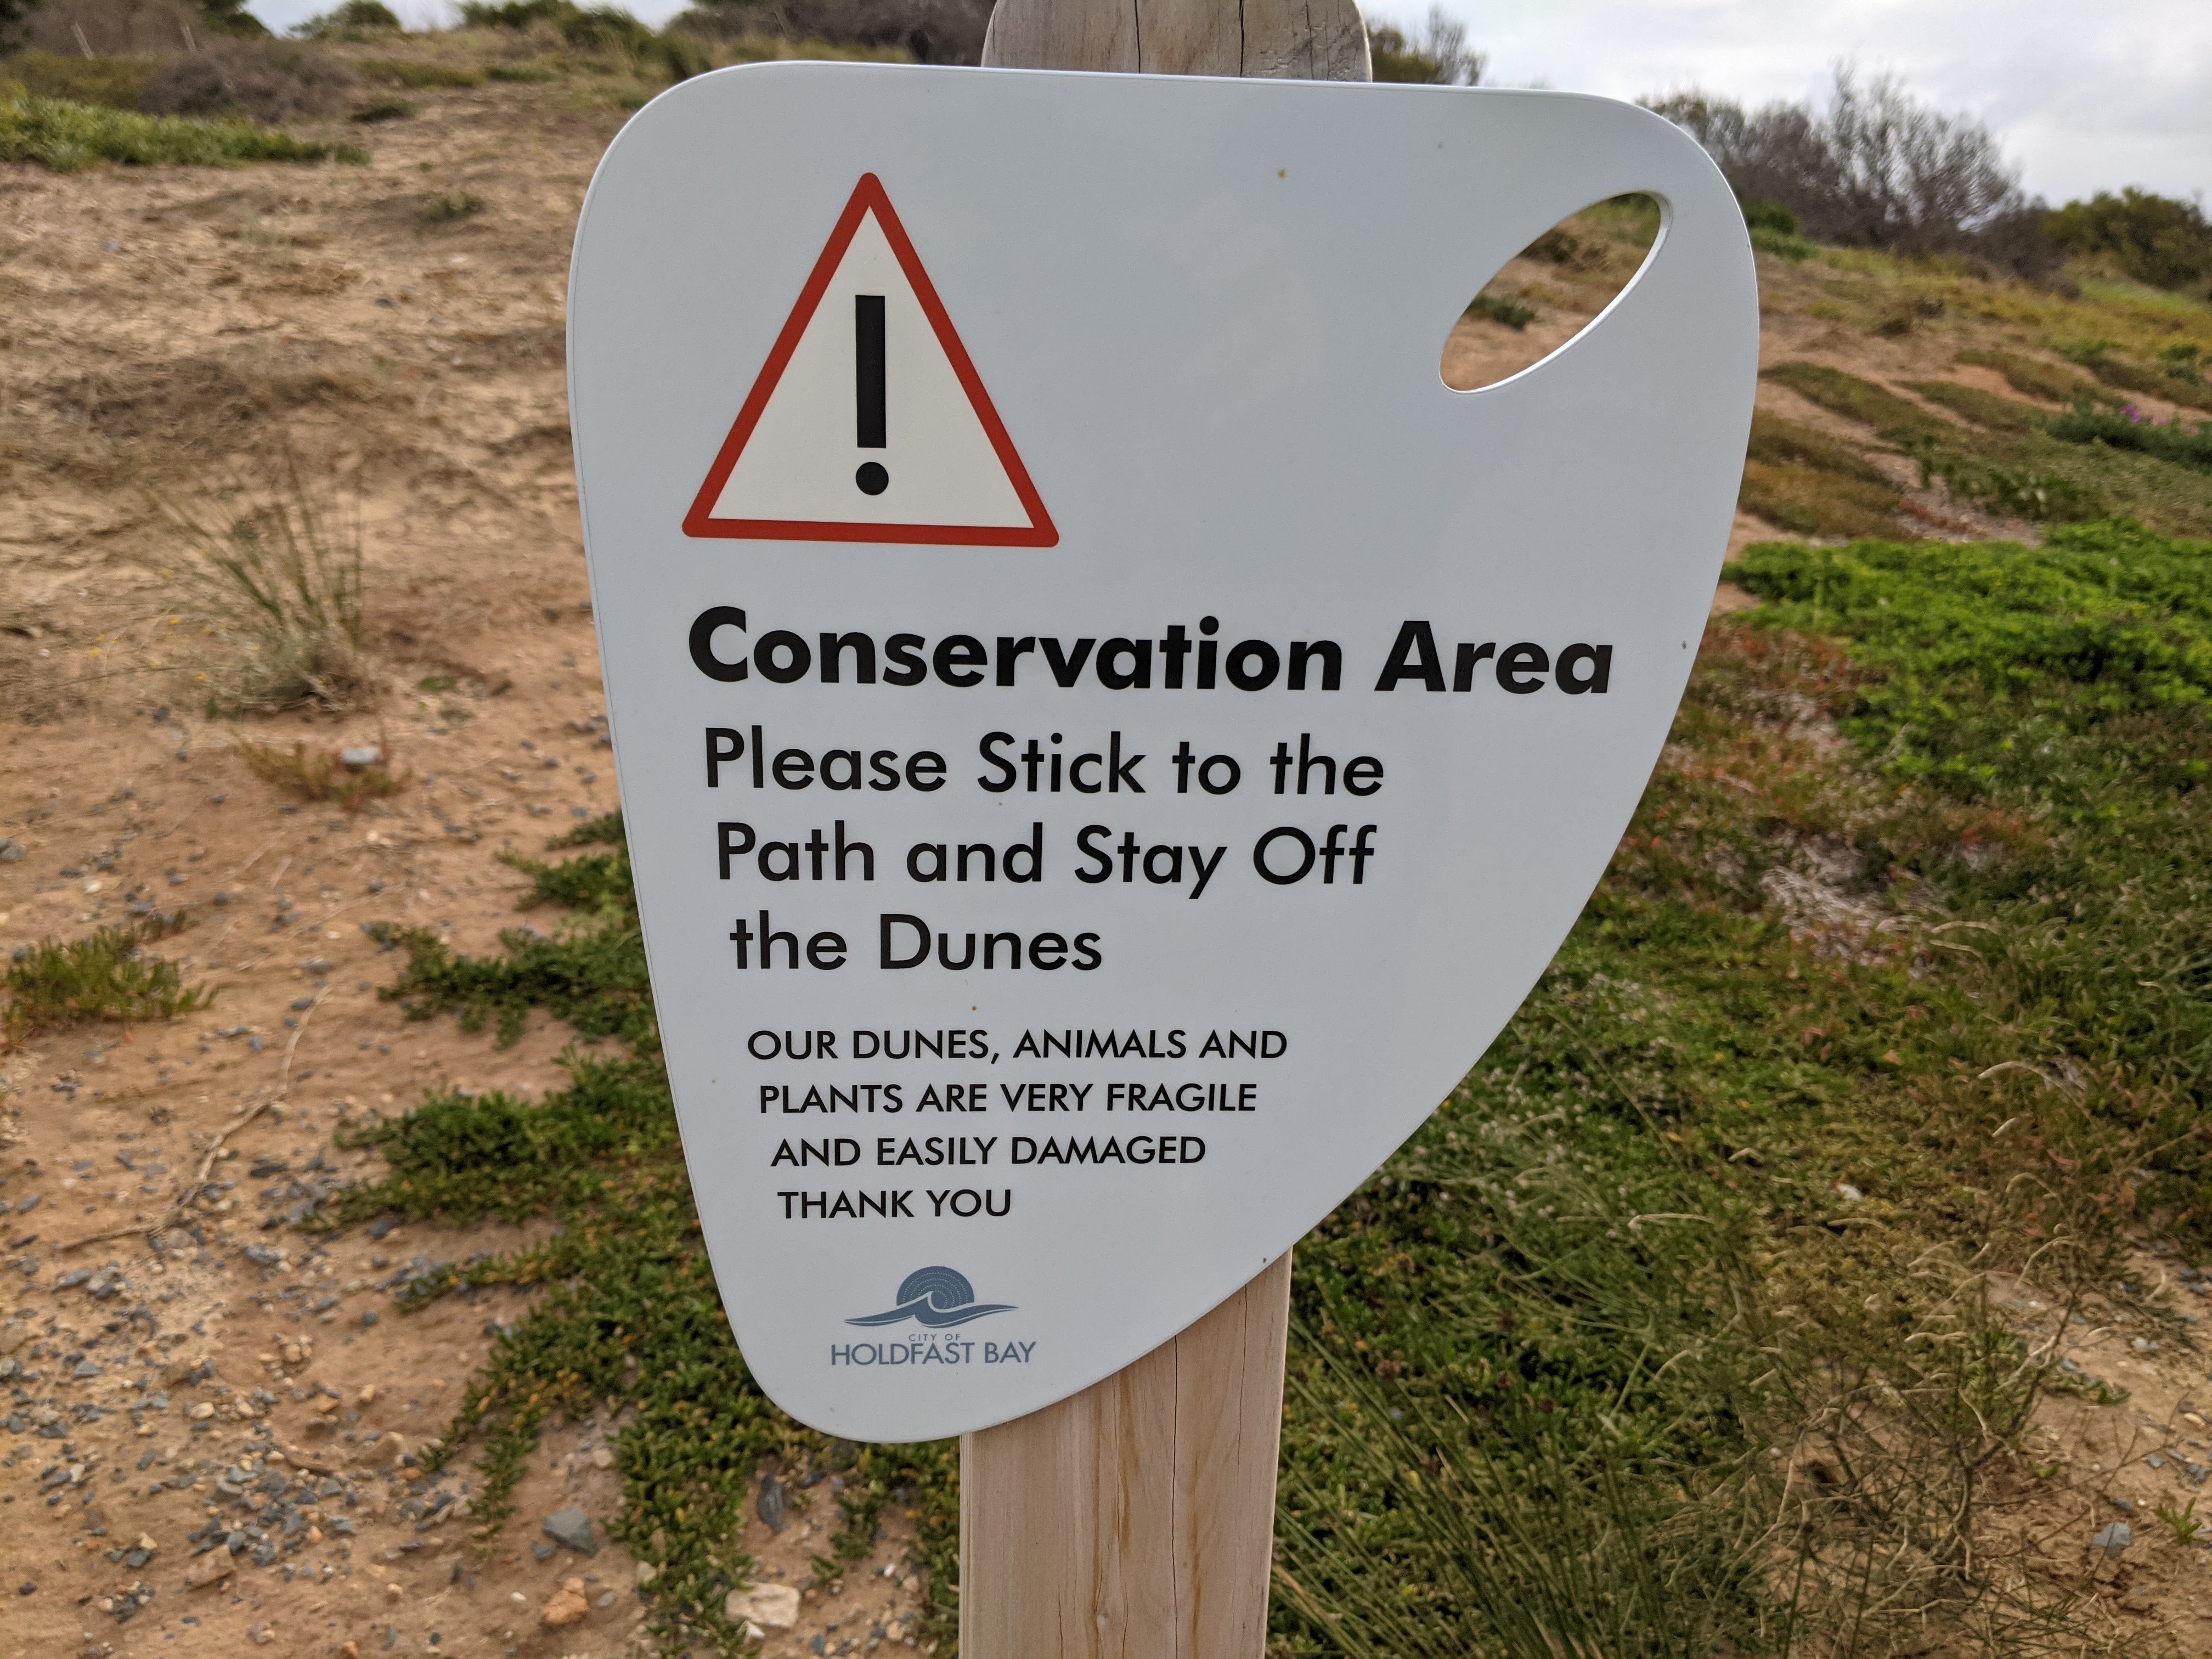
[527, 74]
[453, 205]
[1784, 442]
[2153, 239]
[88, 30]
[262, 81]
[1438, 56]
[65, 137]
[355, 20]
[2130, 429]
[107, 974]
[383, 109]
[325, 775]
[2128, 375]
[1504, 308]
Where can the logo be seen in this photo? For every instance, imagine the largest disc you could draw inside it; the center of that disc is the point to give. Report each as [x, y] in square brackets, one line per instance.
[935, 1297]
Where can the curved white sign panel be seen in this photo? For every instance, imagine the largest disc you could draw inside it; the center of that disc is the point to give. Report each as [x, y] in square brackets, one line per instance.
[1108, 737]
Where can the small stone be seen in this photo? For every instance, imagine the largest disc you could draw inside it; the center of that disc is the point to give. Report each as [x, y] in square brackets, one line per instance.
[368, 1317]
[602, 1458]
[2114, 1538]
[11, 850]
[210, 1569]
[204, 1410]
[775, 1607]
[260, 1635]
[566, 1606]
[367, 1394]
[572, 1528]
[647, 1572]
[2125, 1506]
[770, 1505]
[367, 755]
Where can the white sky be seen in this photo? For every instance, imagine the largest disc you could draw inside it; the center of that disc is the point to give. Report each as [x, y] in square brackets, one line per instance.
[2086, 94]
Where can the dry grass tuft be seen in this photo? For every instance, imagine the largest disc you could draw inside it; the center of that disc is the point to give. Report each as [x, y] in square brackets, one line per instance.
[276, 585]
[349, 777]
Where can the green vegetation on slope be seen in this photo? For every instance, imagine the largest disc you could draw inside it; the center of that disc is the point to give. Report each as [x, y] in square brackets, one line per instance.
[1876, 1018]
[66, 137]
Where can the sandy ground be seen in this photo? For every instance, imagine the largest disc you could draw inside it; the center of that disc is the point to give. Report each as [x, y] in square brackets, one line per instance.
[211, 1441]
[242, 1374]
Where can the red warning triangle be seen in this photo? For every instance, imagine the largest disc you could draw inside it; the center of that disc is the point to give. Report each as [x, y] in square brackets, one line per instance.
[868, 422]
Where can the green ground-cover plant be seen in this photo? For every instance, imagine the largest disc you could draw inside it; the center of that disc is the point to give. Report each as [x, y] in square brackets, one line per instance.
[2154, 380]
[67, 137]
[1672, 1332]
[2170, 441]
[108, 973]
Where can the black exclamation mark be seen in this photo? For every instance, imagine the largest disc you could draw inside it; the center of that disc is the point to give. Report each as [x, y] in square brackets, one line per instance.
[868, 388]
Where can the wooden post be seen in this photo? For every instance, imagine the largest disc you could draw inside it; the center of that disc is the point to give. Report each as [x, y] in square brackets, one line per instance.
[1137, 1520]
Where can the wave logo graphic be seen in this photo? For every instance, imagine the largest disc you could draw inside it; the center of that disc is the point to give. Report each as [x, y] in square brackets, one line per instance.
[935, 1297]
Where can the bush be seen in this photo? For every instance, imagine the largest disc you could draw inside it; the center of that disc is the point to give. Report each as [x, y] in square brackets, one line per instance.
[1439, 57]
[929, 31]
[2153, 239]
[263, 81]
[1877, 168]
[355, 20]
[66, 136]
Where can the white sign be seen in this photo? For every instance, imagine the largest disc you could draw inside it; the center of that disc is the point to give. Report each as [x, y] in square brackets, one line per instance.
[1107, 736]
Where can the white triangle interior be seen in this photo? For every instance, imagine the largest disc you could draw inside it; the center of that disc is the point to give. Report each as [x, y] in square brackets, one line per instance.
[801, 461]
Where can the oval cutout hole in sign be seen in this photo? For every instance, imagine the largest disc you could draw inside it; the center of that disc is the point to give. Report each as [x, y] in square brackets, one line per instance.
[1550, 292]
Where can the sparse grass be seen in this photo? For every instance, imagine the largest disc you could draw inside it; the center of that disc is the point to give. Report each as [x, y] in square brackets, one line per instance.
[2032, 378]
[67, 137]
[1805, 482]
[107, 974]
[1983, 409]
[1892, 417]
[416, 76]
[383, 109]
[1806, 500]
[273, 578]
[322, 775]
[114, 82]
[450, 205]
[527, 74]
